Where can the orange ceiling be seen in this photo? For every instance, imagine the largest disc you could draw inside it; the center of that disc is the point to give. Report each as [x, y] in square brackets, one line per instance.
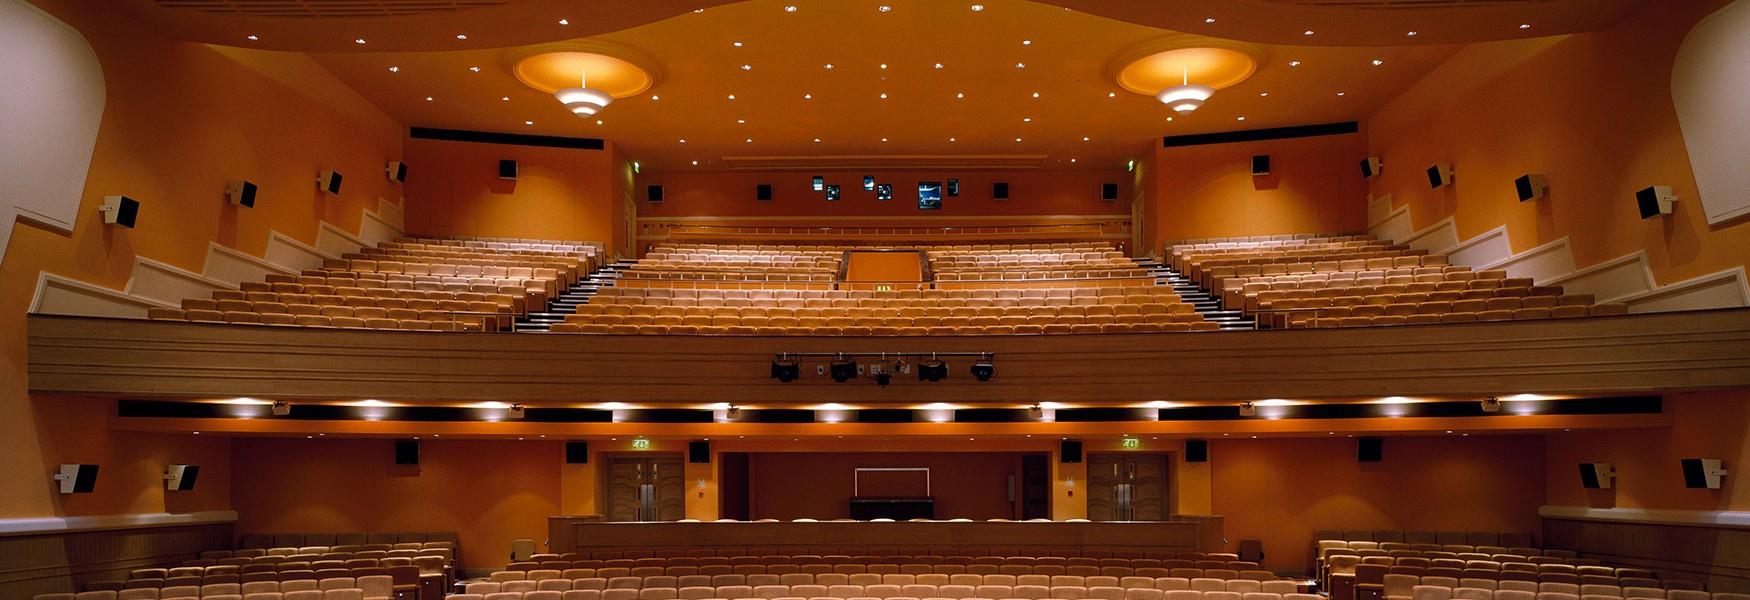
[788, 98]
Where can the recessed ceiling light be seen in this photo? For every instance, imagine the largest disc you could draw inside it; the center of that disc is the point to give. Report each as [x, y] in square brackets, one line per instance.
[741, 121]
[732, 96]
[883, 65]
[829, 66]
[1378, 62]
[654, 97]
[474, 69]
[1413, 33]
[461, 36]
[1294, 63]
[808, 96]
[1263, 94]
[254, 38]
[1026, 42]
[959, 94]
[791, 8]
[528, 122]
[1017, 139]
[598, 121]
[683, 140]
[1035, 94]
[565, 21]
[884, 8]
[750, 140]
[952, 140]
[359, 41]
[1026, 119]
[1020, 65]
[506, 98]
[938, 65]
[978, 8]
[1525, 26]
[1342, 93]
[695, 163]
[1111, 94]
[394, 69]
[698, 10]
[1085, 138]
[1169, 119]
[428, 98]
[816, 140]
[883, 140]
[883, 95]
[1209, 20]
[1307, 32]
[747, 67]
[737, 44]
[1239, 118]
[1072, 160]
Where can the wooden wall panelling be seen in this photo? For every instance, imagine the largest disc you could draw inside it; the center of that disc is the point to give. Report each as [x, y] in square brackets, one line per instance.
[64, 561]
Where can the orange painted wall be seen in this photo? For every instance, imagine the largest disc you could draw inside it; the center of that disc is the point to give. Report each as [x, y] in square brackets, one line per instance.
[489, 492]
[1209, 191]
[559, 193]
[1593, 112]
[1714, 424]
[726, 194]
[1282, 490]
[181, 120]
[130, 475]
[818, 485]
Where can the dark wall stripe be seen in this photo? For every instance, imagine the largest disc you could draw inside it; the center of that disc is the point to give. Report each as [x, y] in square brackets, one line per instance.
[1257, 135]
[514, 139]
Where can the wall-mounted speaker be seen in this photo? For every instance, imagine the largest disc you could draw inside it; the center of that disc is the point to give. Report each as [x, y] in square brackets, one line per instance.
[763, 192]
[77, 479]
[653, 193]
[1370, 167]
[120, 211]
[407, 452]
[1655, 201]
[1261, 165]
[1069, 451]
[577, 453]
[1369, 449]
[1196, 451]
[397, 172]
[699, 452]
[1596, 476]
[1530, 187]
[1108, 191]
[181, 478]
[329, 182]
[1439, 176]
[241, 193]
[1703, 473]
[1000, 190]
[507, 169]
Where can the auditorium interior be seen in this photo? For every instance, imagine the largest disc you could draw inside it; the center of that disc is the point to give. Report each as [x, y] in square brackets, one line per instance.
[874, 300]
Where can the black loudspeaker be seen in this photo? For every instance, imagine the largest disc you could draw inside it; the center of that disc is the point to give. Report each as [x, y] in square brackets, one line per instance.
[1000, 190]
[763, 192]
[507, 169]
[654, 193]
[1703, 473]
[1261, 164]
[1530, 187]
[120, 210]
[397, 172]
[1370, 167]
[1596, 476]
[1070, 451]
[407, 452]
[329, 182]
[699, 453]
[181, 478]
[1439, 176]
[241, 193]
[77, 479]
[1108, 191]
[577, 453]
[1369, 449]
[1197, 451]
[1655, 201]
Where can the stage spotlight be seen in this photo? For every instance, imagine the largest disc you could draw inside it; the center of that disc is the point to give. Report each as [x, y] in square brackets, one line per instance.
[514, 412]
[843, 370]
[984, 369]
[932, 370]
[281, 408]
[1491, 404]
[786, 370]
[1248, 409]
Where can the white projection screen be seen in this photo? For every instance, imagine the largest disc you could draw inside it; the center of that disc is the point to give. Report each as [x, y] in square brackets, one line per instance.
[50, 108]
[1710, 83]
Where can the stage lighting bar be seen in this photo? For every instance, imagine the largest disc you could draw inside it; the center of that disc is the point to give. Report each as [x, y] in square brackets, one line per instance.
[881, 366]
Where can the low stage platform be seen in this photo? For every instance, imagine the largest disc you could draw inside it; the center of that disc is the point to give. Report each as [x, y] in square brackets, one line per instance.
[568, 534]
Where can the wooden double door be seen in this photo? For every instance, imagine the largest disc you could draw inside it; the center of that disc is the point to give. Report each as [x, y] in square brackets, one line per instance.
[1127, 486]
[646, 488]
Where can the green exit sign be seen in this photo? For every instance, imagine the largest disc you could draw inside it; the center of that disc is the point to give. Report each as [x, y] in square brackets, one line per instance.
[640, 444]
[1131, 443]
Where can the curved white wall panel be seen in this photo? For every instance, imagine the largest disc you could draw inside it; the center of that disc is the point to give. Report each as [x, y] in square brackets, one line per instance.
[50, 108]
[1710, 84]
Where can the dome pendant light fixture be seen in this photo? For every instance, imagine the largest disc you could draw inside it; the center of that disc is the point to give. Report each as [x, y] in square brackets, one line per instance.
[1185, 98]
[581, 100]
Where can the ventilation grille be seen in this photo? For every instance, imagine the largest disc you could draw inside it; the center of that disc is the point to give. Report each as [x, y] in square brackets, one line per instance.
[327, 8]
[1400, 4]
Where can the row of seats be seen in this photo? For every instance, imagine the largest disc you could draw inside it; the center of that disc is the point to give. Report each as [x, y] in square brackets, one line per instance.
[865, 555]
[1103, 594]
[326, 549]
[1403, 587]
[893, 573]
[1044, 274]
[1060, 295]
[409, 572]
[1213, 276]
[308, 543]
[884, 591]
[1182, 256]
[1250, 291]
[1348, 249]
[827, 327]
[868, 579]
[337, 594]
